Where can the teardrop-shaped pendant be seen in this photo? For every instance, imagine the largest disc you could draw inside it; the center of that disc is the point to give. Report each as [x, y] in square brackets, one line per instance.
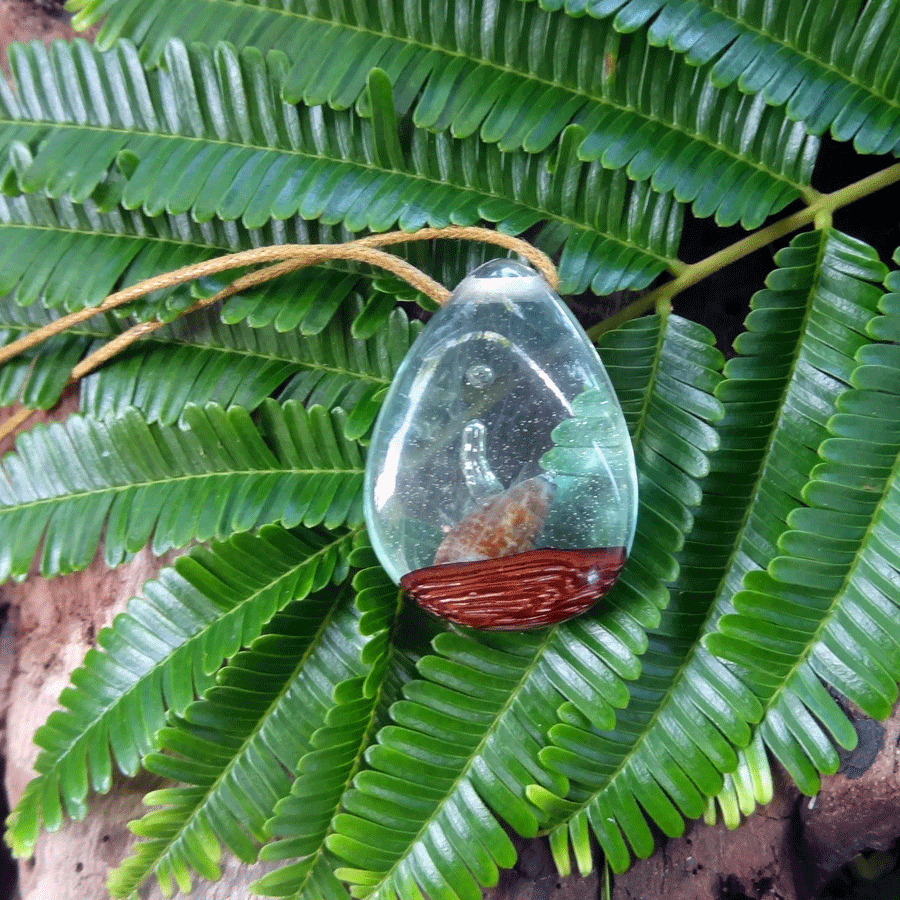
[500, 486]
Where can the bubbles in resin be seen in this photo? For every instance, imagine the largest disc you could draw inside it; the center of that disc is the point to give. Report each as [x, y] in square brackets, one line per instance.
[500, 484]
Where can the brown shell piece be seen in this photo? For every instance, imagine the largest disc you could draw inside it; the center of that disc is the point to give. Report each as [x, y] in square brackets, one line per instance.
[516, 593]
[501, 526]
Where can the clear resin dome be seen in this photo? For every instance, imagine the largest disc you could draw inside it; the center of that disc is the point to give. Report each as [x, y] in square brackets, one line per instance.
[500, 485]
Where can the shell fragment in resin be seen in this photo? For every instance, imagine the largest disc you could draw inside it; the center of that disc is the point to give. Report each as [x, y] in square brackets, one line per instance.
[506, 524]
[500, 484]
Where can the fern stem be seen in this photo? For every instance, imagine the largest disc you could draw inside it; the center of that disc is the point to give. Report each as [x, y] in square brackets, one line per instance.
[818, 212]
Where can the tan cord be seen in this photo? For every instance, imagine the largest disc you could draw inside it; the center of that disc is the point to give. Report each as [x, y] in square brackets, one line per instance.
[536, 257]
[142, 329]
[301, 255]
[285, 258]
[16, 420]
[370, 255]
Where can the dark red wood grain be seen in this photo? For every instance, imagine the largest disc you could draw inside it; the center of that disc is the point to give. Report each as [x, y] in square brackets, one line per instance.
[519, 592]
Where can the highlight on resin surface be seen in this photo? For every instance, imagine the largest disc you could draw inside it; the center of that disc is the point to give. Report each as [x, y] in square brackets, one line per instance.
[500, 484]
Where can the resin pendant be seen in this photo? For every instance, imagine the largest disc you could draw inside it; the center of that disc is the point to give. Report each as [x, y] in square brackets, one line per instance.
[500, 487]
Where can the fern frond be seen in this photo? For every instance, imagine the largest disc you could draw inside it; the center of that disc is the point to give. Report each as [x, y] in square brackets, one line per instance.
[422, 797]
[830, 281]
[517, 76]
[231, 752]
[678, 736]
[466, 746]
[832, 67]
[239, 365]
[305, 819]
[158, 655]
[257, 158]
[835, 613]
[130, 482]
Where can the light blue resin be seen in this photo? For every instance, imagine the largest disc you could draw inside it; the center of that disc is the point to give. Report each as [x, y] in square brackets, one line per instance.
[501, 385]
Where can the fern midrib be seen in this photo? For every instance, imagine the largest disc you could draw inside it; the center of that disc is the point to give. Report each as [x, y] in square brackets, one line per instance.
[528, 76]
[542, 213]
[242, 351]
[167, 845]
[149, 238]
[466, 768]
[118, 489]
[649, 390]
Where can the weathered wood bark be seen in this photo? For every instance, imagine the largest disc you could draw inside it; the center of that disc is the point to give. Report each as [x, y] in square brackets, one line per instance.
[858, 809]
[791, 848]
[757, 860]
[54, 623]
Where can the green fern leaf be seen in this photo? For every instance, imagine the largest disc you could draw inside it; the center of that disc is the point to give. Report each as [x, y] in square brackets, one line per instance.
[832, 66]
[677, 738]
[231, 751]
[834, 613]
[240, 366]
[159, 654]
[829, 276]
[127, 246]
[517, 76]
[429, 772]
[258, 159]
[465, 747]
[337, 748]
[130, 482]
